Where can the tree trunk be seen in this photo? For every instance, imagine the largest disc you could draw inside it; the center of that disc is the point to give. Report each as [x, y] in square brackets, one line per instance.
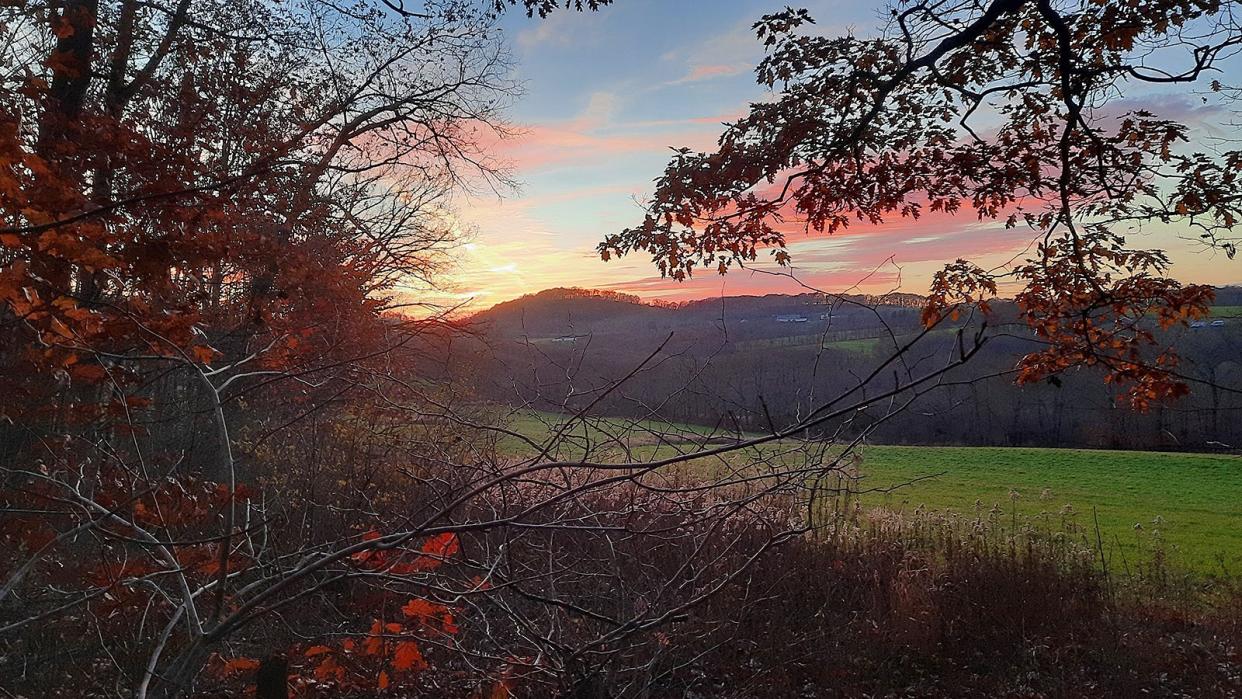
[272, 678]
[178, 680]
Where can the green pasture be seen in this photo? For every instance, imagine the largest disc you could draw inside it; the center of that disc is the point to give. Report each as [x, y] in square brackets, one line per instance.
[1188, 505]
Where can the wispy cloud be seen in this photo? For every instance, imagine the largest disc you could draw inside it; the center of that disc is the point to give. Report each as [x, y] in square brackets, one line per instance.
[595, 133]
[559, 30]
[699, 73]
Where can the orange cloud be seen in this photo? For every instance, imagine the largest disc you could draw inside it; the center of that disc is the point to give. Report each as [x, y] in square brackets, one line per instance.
[542, 146]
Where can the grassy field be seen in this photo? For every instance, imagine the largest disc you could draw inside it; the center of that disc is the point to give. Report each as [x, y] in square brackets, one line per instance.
[862, 344]
[1190, 505]
[1193, 502]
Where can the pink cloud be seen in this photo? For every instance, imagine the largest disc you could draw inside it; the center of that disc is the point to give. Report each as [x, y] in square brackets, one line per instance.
[543, 145]
[900, 253]
[594, 133]
[757, 283]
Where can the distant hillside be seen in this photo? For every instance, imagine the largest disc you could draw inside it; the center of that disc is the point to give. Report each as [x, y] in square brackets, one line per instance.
[566, 294]
[754, 361]
[563, 311]
[571, 312]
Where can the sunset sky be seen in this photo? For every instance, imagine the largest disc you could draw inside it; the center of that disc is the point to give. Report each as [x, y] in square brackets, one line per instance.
[607, 94]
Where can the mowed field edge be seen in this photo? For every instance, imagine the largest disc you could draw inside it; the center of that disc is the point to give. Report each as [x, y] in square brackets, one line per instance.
[1188, 505]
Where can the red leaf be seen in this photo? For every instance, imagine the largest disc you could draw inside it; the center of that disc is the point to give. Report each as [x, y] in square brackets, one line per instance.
[328, 669]
[442, 545]
[408, 657]
[364, 556]
[203, 355]
[374, 644]
[421, 609]
[236, 665]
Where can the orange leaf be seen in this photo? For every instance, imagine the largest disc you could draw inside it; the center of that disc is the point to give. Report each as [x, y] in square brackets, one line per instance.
[203, 354]
[241, 665]
[364, 556]
[88, 372]
[408, 657]
[382, 683]
[421, 609]
[443, 545]
[317, 650]
[328, 669]
[374, 643]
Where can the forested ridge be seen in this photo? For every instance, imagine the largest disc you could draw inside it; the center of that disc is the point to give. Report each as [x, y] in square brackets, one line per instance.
[759, 359]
